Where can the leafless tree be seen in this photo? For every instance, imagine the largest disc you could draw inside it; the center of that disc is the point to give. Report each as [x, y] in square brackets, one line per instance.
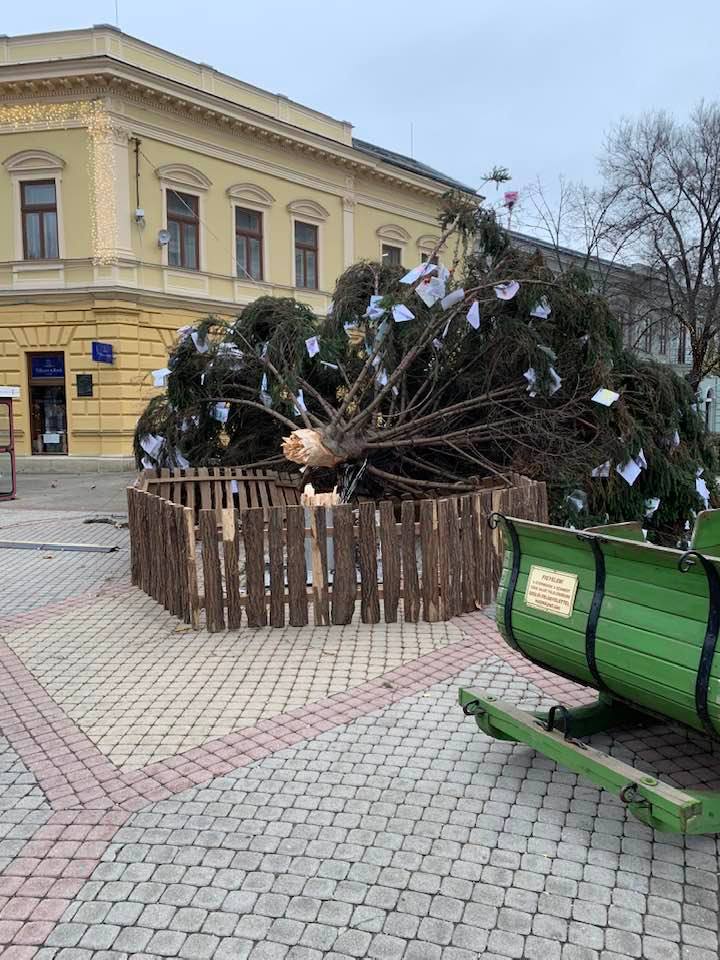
[584, 228]
[666, 177]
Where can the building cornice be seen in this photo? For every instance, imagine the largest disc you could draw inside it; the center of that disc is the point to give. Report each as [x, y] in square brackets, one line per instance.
[98, 77]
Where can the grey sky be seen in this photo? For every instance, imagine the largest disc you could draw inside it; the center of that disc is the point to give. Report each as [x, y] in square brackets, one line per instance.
[530, 85]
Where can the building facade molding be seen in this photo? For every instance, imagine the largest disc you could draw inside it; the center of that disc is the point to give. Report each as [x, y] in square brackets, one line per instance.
[33, 161]
[393, 233]
[308, 210]
[251, 193]
[183, 175]
[134, 84]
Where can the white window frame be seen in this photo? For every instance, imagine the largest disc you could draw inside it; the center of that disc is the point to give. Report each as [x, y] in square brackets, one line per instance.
[311, 212]
[25, 167]
[184, 179]
[426, 244]
[392, 235]
[248, 196]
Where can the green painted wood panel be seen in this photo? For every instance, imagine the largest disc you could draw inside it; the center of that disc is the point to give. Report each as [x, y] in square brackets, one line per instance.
[652, 624]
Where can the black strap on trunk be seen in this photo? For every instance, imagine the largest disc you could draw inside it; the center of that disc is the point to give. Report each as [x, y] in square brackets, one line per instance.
[493, 522]
[707, 653]
[595, 608]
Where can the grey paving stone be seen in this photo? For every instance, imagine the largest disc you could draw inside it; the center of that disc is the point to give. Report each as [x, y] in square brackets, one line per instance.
[166, 943]
[623, 942]
[320, 936]
[284, 930]
[188, 919]
[421, 950]
[199, 946]
[353, 943]
[133, 939]
[506, 944]
[66, 935]
[384, 947]
[655, 949]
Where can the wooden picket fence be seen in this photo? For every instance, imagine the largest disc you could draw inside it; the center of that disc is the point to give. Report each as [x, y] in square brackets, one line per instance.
[424, 560]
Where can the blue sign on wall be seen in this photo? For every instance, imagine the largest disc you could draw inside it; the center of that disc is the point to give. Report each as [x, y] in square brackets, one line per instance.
[102, 352]
[48, 366]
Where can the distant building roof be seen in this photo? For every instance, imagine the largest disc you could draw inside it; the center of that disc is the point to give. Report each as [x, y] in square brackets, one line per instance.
[408, 163]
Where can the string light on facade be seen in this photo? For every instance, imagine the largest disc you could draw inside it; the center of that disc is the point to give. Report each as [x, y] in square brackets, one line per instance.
[101, 167]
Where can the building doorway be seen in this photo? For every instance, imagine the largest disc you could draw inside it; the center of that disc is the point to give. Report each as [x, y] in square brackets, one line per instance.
[48, 409]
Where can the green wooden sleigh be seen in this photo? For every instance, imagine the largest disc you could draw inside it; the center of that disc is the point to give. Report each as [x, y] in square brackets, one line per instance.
[637, 622]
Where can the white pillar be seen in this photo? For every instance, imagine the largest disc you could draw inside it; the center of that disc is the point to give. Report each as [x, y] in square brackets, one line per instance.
[348, 231]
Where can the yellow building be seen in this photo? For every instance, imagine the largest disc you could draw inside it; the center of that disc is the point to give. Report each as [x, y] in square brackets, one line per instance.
[139, 192]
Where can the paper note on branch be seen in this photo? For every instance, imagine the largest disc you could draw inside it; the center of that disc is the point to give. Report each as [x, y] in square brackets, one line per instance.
[430, 291]
[473, 315]
[151, 444]
[452, 298]
[401, 313]
[200, 345]
[374, 310]
[603, 470]
[160, 376]
[419, 271]
[220, 412]
[606, 397]
[701, 488]
[299, 404]
[629, 471]
[542, 309]
[312, 345]
[506, 291]
[651, 505]
[531, 378]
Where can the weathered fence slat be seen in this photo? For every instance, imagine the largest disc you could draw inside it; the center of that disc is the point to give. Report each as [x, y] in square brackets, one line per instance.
[231, 561]
[179, 519]
[390, 552]
[444, 519]
[345, 577]
[429, 550]
[296, 570]
[191, 568]
[254, 539]
[276, 543]
[453, 535]
[367, 539]
[469, 552]
[410, 581]
[318, 552]
[214, 606]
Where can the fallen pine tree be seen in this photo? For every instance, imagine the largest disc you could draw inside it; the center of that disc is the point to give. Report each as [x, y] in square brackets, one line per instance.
[427, 382]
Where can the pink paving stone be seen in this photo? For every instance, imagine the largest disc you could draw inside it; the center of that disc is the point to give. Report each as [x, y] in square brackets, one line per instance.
[38, 848]
[80, 868]
[51, 867]
[91, 850]
[66, 888]
[8, 929]
[21, 867]
[50, 909]
[35, 887]
[35, 932]
[19, 908]
[9, 885]
[19, 953]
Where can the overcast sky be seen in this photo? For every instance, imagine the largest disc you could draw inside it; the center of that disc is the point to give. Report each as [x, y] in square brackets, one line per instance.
[526, 84]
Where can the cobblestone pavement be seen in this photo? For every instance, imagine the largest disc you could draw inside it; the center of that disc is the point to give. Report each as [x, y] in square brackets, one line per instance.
[305, 794]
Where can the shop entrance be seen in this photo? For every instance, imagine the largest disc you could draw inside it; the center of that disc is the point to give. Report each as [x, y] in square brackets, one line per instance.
[48, 410]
